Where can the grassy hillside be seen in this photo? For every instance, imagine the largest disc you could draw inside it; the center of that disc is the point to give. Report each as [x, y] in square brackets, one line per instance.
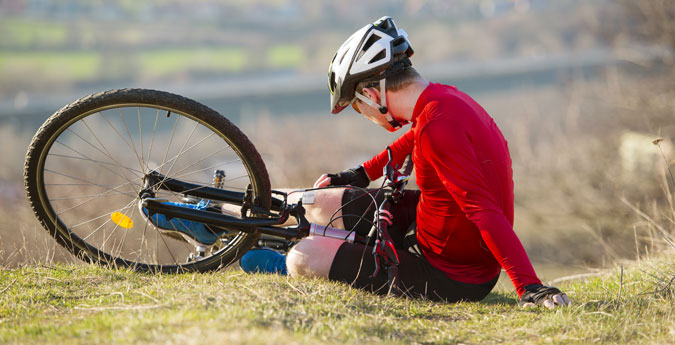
[93, 305]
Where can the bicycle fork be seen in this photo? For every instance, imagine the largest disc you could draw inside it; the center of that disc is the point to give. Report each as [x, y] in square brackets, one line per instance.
[384, 251]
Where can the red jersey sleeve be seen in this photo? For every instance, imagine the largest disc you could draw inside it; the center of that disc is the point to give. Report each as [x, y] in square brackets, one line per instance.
[400, 148]
[458, 168]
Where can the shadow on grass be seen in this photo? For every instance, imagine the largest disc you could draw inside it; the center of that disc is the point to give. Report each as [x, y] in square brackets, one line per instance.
[495, 298]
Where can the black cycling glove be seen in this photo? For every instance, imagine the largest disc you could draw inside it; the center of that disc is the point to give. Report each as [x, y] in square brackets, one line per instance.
[537, 294]
[353, 177]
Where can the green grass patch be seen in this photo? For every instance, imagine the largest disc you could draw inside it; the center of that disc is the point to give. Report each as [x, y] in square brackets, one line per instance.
[285, 56]
[165, 62]
[73, 65]
[26, 33]
[95, 305]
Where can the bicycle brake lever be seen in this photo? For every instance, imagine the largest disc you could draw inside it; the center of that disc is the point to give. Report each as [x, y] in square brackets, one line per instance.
[298, 211]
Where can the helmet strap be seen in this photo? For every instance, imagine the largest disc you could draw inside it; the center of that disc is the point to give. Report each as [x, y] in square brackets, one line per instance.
[382, 107]
[367, 100]
[383, 96]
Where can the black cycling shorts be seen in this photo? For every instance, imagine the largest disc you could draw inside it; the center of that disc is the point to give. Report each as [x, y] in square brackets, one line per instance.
[354, 263]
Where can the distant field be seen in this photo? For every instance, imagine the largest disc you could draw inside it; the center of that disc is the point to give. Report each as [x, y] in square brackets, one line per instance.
[169, 62]
[284, 56]
[25, 33]
[60, 52]
[74, 66]
[177, 40]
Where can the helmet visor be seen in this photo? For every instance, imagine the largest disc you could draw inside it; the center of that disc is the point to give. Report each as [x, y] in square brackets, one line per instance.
[339, 106]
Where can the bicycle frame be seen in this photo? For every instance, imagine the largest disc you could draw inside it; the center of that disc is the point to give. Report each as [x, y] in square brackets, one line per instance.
[268, 223]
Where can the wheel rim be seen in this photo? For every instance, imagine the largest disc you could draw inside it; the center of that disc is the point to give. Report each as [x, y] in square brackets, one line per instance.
[91, 170]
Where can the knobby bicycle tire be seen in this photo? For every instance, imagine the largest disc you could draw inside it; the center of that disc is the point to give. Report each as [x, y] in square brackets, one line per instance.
[78, 151]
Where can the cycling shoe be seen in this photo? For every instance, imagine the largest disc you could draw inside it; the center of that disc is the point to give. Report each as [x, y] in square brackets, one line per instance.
[263, 261]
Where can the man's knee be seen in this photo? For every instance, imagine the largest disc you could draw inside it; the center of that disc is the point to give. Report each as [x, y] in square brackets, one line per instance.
[313, 256]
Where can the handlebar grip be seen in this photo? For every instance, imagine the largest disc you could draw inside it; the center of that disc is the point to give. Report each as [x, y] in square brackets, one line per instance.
[407, 165]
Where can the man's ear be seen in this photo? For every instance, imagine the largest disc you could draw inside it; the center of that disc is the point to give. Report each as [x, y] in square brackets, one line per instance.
[372, 93]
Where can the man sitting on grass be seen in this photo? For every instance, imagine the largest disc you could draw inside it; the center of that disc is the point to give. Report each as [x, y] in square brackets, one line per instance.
[455, 234]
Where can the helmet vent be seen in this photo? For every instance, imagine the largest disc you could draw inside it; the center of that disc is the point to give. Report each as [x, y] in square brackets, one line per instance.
[343, 56]
[369, 43]
[332, 85]
[381, 55]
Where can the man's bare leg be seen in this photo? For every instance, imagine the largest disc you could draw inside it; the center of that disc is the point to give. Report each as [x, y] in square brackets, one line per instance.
[314, 255]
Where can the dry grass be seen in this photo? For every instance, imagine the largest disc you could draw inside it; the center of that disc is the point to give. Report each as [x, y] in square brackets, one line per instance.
[22, 238]
[583, 173]
[94, 305]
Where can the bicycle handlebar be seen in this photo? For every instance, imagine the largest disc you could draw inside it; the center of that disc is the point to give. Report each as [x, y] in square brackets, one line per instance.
[384, 249]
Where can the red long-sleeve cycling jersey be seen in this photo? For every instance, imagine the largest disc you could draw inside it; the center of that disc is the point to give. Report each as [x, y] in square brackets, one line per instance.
[463, 170]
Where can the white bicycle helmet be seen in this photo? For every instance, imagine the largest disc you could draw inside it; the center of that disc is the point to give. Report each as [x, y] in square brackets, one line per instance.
[374, 52]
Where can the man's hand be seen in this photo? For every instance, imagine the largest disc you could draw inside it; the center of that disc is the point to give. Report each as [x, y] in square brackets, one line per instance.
[353, 177]
[540, 295]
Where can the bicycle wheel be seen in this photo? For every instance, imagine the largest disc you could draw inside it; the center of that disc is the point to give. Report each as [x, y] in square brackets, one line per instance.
[85, 167]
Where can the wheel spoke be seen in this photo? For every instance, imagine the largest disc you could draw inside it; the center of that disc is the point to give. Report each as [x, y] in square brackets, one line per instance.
[107, 153]
[182, 149]
[89, 183]
[143, 241]
[140, 137]
[114, 230]
[131, 140]
[87, 158]
[152, 140]
[99, 217]
[174, 158]
[140, 173]
[173, 134]
[204, 169]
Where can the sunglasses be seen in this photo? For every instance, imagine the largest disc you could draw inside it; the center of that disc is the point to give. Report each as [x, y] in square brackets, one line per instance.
[356, 107]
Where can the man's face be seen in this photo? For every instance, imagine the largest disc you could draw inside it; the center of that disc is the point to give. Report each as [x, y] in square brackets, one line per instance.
[372, 114]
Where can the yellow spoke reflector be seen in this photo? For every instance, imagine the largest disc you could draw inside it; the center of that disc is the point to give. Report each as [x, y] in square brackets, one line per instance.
[122, 220]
